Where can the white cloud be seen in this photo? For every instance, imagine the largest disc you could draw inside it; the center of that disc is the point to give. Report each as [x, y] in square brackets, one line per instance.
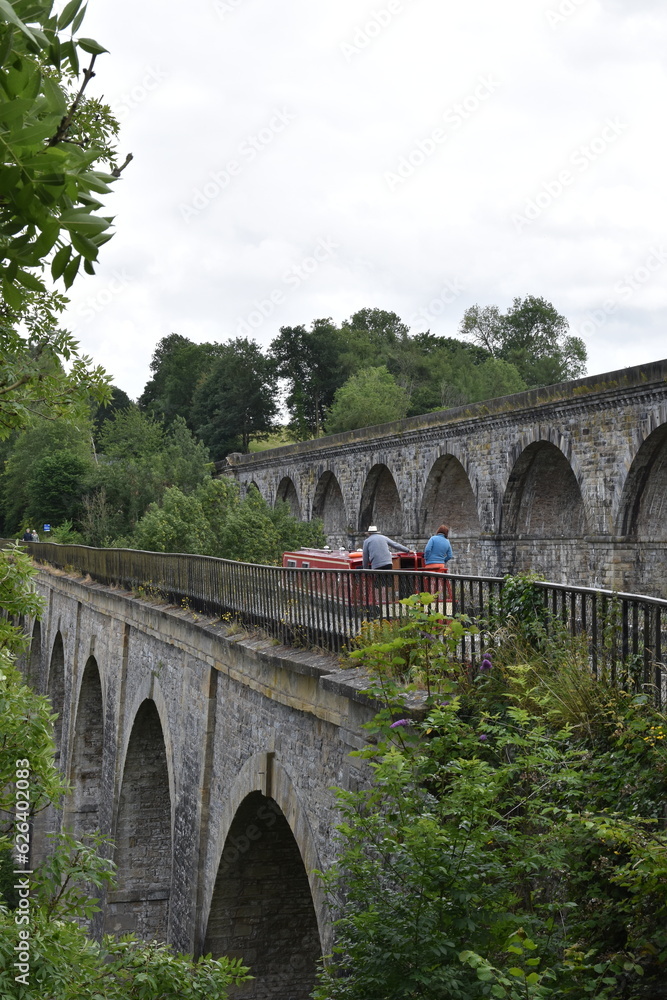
[193, 86]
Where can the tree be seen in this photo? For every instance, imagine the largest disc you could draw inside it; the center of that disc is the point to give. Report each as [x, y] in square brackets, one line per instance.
[372, 396]
[236, 401]
[52, 140]
[310, 363]
[532, 336]
[56, 488]
[118, 400]
[216, 521]
[20, 497]
[178, 365]
[49, 185]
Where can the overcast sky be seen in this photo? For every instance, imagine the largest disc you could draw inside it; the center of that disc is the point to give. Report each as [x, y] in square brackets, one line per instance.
[309, 158]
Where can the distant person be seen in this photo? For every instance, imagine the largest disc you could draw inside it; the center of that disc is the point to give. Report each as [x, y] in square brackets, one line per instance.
[27, 535]
[35, 536]
[376, 554]
[438, 552]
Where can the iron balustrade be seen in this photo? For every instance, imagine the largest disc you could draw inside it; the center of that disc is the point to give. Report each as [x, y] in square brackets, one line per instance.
[626, 633]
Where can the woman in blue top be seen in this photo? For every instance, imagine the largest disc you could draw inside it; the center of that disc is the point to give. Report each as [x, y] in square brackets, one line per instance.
[438, 552]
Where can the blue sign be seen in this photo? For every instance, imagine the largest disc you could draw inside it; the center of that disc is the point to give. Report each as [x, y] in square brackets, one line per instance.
[47, 527]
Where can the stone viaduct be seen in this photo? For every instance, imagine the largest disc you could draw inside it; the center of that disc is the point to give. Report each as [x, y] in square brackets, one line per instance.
[209, 757]
[569, 481]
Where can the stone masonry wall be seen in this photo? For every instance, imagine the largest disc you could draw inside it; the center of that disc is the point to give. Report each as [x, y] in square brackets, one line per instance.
[187, 742]
[578, 468]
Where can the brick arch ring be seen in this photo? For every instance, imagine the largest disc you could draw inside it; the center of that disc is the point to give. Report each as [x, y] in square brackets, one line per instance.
[147, 692]
[263, 773]
[560, 440]
[454, 450]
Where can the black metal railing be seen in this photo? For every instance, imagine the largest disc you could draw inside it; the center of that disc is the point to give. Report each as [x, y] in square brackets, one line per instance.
[626, 633]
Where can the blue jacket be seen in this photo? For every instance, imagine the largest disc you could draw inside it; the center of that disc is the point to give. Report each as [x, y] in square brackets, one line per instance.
[438, 550]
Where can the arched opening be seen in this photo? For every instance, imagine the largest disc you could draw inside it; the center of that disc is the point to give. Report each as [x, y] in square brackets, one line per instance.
[34, 659]
[329, 505]
[46, 820]
[448, 498]
[56, 690]
[380, 502]
[287, 491]
[252, 485]
[644, 504]
[140, 903]
[82, 808]
[543, 498]
[262, 908]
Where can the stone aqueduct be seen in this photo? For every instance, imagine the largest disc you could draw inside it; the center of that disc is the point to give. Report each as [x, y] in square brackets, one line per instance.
[569, 481]
[209, 758]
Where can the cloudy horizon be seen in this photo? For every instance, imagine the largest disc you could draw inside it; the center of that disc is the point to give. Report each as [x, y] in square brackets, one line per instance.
[301, 161]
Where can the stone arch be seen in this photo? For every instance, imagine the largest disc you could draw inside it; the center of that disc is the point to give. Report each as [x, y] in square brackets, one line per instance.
[543, 498]
[643, 509]
[287, 491]
[143, 852]
[265, 830]
[55, 690]
[380, 502]
[34, 659]
[448, 497]
[82, 808]
[249, 485]
[329, 505]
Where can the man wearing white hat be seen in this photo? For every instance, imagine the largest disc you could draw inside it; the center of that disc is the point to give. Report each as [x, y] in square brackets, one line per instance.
[376, 554]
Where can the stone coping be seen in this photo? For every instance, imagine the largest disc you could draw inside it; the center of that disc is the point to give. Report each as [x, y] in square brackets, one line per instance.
[640, 376]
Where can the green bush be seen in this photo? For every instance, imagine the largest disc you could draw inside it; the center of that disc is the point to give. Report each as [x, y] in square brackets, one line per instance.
[512, 840]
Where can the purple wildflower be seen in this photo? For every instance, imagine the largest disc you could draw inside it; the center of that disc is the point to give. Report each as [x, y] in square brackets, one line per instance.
[400, 722]
[483, 738]
[485, 664]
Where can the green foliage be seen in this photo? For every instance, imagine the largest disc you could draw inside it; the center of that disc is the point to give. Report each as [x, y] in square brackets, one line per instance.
[42, 372]
[371, 396]
[56, 486]
[216, 521]
[522, 606]
[178, 366]
[42, 440]
[236, 400]
[49, 183]
[532, 336]
[512, 842]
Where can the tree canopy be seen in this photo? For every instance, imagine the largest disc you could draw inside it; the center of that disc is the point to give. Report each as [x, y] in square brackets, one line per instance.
[532, 336]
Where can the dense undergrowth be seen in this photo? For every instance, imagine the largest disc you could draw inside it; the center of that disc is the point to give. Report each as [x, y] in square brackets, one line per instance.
[512, 842]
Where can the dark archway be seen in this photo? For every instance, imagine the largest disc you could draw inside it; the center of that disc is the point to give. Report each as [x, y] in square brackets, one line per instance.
[82, 808]
[287, 491]
[448, 498]
[143, 853]
[543, 498]
[329, 505]
[262, 909]
[380, 502]
[56, 691]
[644, 503]
[34, 659]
